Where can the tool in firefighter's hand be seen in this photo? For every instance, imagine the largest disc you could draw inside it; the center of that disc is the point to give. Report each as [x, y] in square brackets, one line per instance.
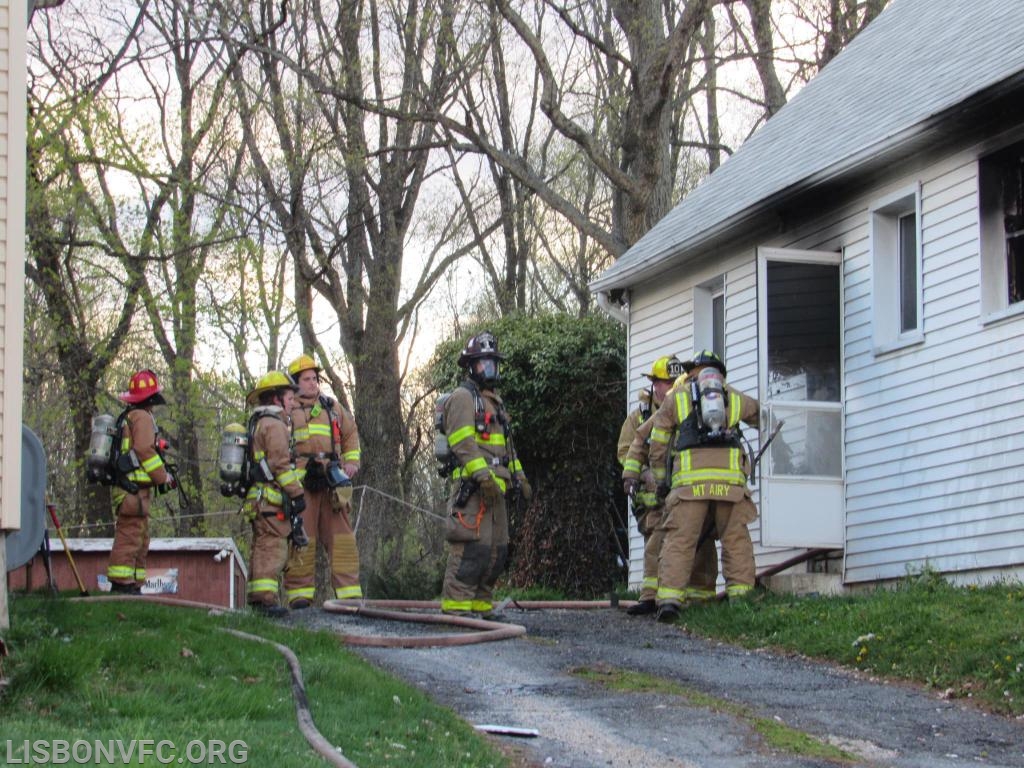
[171, 482]
[52, 509]
[764, 446]
[295, 507]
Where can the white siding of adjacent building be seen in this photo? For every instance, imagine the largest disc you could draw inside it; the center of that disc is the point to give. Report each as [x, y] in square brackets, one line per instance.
[12, 252]
[934, 432]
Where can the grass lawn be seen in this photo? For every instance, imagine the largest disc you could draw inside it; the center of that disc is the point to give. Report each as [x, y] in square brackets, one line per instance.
[966, 642]
[99, 671]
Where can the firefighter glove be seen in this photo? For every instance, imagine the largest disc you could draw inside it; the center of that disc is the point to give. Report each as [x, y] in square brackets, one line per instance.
[298, 505]
[647, 478]
[490, 491]
[525, 490]
[629, 486]
[166, 487]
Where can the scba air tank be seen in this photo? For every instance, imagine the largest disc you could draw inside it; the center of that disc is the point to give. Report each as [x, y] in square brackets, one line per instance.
[712, 400]
[101, 440]
[442, 450]
[233, 443]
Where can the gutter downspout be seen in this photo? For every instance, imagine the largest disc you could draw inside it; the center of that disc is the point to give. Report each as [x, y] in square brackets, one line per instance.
[614, 310]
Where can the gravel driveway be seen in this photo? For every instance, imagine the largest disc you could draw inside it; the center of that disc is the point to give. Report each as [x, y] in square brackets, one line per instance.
[527, 682]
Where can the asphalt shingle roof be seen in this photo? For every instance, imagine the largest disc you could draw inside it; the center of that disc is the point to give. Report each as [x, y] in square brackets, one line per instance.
[916, 60]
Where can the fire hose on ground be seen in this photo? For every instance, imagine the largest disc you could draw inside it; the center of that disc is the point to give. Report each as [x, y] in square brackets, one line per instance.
[397, 610]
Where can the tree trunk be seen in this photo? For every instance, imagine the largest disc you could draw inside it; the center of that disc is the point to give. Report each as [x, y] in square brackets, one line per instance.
[764, 55]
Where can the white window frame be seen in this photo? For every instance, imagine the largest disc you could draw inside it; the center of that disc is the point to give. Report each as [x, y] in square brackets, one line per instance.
[704, 296]
[884, 244]
[995, 300]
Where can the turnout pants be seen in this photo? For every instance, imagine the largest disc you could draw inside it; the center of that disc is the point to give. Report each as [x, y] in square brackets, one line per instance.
[684, 521]
[328, 525]
[131, 536]
[270, 532]
[478, 550]
[703, 580]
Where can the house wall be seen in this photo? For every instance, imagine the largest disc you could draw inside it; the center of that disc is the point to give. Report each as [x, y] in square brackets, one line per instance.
[12, 254]
[934, 432]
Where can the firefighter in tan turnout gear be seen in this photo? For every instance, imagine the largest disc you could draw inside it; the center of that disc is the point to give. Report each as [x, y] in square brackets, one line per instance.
[485, 468]
[327, 456]
[141, 471]
[274, 500]
[698, 424]
[640, 486]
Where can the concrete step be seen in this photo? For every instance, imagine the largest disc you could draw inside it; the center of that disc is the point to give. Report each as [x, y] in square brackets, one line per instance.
[805, 583]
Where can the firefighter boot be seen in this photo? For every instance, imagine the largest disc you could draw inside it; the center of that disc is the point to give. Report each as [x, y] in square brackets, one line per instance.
[269, 611]
[642, 608]
[667, 614]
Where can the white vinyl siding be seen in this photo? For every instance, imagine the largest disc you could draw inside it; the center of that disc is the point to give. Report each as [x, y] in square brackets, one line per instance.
[13, 23]
[934, 434]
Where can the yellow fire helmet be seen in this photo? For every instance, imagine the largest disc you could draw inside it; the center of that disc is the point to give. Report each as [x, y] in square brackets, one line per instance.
[270, 381]
[666, 368]
[302, 363]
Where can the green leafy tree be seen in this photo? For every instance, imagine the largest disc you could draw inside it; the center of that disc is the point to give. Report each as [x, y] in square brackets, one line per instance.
[563, 382]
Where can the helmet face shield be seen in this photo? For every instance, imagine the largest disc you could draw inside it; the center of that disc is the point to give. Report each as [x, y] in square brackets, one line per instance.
[485, 370]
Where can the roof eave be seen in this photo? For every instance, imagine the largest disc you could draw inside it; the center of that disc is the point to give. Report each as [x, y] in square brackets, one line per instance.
[875, 155]
[686, 251]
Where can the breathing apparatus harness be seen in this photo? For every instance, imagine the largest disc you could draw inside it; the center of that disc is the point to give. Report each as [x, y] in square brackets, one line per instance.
[318, 477]
[483, 424]
[239, 471]
[707, 425]
[708, 422]
[108, 464]
[105, 463]
[645, 408]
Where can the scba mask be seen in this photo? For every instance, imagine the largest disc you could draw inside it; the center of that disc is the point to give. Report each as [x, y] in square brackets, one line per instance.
[485, 371]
